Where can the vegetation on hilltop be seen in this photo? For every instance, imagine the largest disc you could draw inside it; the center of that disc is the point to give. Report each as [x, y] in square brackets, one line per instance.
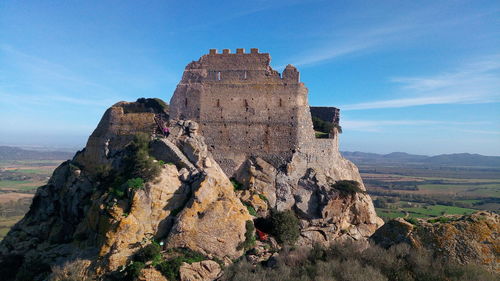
[138, 168]
[351, 262]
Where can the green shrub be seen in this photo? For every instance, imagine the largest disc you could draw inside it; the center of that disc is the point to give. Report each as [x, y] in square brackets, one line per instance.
[138, 167]
[237, 185]
[440, 220]
[137, 162]
[118, 189]
[413, 221]
[249, 242]
[263, 197]
[354, 262]
[285, 226]
[170, 268]
[135, 183]
[348, 187]
[321, 125]
[103, 172]
[148, 253]
[134, 269]
[250, 209]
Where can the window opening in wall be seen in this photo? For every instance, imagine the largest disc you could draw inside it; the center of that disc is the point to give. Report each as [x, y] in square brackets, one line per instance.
[281, 103]
[218, 102]
[218, 75]
[245, 75]
[186, 102]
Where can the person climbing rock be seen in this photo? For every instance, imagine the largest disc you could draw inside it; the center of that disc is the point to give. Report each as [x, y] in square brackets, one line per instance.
[166, 131]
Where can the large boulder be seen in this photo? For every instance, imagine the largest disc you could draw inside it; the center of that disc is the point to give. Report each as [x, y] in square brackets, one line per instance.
[200, 271]
[213, 221]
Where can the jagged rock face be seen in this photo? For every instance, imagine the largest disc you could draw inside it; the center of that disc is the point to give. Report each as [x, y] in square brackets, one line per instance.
[58, 207]
[468, 239]
[190, 204]
[213, 221]
[200, 271]
[326, 214]
[125, 225]
[151, 274]
[118, 126]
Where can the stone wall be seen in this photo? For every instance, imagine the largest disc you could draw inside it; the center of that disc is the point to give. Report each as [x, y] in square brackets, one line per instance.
[245, 108]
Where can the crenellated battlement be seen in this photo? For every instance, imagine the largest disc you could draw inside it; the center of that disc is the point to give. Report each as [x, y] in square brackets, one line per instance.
[239, 51]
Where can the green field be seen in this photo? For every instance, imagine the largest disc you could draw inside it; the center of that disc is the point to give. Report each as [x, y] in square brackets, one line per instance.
[487, 190]
[438, 210]
[32, 171]
[410, 192]
[423, 212]
[389, 213]
[14, 184]
[6, 224]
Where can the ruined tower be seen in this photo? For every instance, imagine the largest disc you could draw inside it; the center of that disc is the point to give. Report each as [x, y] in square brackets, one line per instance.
[245, 108]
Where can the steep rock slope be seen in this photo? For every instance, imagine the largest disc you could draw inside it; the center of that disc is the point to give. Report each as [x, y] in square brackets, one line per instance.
[82, 213]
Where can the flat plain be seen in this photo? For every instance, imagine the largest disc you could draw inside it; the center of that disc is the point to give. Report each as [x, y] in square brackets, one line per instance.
[408, 192]
[19, 180]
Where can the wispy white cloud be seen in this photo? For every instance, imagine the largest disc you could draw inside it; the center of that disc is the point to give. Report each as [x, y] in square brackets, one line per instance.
[374, 34]
[359, 41]
[471, 83]
[378, 125]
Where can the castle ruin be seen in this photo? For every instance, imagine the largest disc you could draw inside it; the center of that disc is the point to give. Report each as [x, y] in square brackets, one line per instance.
[245, 108]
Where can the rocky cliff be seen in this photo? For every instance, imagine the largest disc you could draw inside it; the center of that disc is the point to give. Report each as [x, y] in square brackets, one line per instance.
[132, 190]
[84, 212]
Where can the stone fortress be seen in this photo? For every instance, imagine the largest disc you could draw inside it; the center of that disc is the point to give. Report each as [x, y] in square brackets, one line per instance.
[247, 109]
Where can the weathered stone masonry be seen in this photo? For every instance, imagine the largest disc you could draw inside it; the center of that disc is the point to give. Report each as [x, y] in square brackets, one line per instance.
[245, 108]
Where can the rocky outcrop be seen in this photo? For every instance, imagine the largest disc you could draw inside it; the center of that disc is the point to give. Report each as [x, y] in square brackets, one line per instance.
[118, 126]
[81, 213]
[307, 187]
[200, 271]
[470, 239]
[92, 209]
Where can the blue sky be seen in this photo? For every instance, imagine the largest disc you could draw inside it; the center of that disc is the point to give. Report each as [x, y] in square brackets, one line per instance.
[414, 76]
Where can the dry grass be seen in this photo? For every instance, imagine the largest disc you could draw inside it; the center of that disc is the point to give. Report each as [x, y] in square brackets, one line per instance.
[76, 270]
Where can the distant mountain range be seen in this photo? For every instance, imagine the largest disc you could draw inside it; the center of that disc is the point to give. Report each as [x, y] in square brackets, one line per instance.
[15, 153]
[359, 158]
[450, 160]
